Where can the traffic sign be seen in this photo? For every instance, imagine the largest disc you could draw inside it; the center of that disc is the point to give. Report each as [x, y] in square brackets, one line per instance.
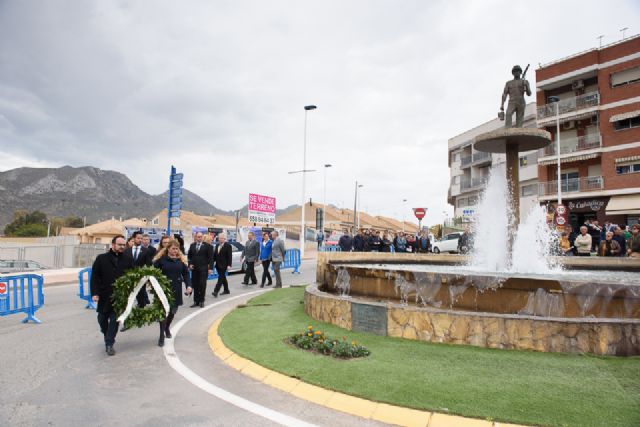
[176, 199]
[176, 184]
[3, 290]
[177, 177]
[176, 206]
[174, 214]
[419, 212]
[176, 192]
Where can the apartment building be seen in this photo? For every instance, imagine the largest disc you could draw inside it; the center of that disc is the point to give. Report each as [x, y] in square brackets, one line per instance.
[469, 169]
[595, 97]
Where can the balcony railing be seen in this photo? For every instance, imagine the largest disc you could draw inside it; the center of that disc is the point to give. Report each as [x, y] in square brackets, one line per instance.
[572, 185]
[481, 157]
[469, 184]
[465, 161]
[576, 103]
[581, 143]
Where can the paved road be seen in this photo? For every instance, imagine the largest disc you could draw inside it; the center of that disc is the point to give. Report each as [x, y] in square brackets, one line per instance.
[57, 373]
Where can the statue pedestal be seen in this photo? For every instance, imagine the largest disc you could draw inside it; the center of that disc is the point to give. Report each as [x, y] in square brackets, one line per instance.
[512, 141]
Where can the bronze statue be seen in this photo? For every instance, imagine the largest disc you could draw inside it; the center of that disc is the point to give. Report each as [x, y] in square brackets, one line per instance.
[516, 89]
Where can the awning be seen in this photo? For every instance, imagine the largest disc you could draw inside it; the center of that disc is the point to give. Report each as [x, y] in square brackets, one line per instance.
[624, 116]
[624, 205]
[627, 159]
[568, 159]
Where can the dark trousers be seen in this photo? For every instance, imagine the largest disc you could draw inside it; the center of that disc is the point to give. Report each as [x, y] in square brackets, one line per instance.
[250, 273]
[199, 282]
[142, 297]
[276, 271]
[266, 276]
[222, 281]
[108, 327]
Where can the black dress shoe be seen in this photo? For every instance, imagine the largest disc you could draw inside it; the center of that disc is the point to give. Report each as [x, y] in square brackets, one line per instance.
[215, 294]
[270, 283]
[161, 341]
[195, 304]
[262, 285]
[110, 351]
[201, 305]
[226, 293]
[245, 283]
[167, 333]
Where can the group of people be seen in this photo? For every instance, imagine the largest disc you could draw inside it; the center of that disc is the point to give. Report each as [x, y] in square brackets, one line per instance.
[611, 240]
[190, 270]
[367, 240]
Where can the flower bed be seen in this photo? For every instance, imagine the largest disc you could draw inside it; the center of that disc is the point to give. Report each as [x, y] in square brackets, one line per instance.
[320, 343]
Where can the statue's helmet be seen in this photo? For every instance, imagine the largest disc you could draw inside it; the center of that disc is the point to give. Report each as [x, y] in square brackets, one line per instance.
[516, 68]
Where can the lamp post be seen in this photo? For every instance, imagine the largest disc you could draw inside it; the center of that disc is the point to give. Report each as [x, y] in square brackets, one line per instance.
[324, 202]
[307, 108]
[404, 208]
[556, 100]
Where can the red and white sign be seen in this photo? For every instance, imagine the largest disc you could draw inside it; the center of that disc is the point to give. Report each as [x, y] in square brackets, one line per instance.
[562, 215]
[419, 212]
[262, 209]
[3, 289]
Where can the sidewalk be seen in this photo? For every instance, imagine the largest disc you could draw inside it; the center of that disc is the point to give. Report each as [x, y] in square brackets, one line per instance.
[59, 276]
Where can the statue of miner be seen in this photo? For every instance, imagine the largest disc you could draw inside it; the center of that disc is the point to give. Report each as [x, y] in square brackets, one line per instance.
[515, 89]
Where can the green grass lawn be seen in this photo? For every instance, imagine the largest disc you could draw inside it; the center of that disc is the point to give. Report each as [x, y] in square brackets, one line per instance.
[502, 385]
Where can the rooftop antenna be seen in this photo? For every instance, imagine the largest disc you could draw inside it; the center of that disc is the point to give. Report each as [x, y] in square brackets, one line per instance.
[600, 38]
[623, 31]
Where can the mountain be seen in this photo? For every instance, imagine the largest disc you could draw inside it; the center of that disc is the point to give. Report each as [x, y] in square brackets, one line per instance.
[85, 191]
[244, 211]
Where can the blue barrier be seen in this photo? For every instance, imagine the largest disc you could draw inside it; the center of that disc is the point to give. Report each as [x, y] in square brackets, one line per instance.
[13, 299]
[291, 260]
[84, 291]
[330, 248]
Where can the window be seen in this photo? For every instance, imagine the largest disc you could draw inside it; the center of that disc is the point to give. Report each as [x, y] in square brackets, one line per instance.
[472, 201]
[528, 190]
[633, 122]
[570, 181]
[462, 202]
[629, 168]
[625, 77]
[456, 180]
[456, 157]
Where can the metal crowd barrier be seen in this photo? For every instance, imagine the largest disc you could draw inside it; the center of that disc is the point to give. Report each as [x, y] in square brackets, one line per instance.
[291, 260]
[330, 248]
[18, 296]
[85, 287]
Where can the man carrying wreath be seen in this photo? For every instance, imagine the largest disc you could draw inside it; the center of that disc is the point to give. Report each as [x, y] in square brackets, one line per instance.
[106, 269]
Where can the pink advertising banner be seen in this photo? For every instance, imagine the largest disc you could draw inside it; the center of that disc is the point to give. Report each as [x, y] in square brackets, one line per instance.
[262, 209]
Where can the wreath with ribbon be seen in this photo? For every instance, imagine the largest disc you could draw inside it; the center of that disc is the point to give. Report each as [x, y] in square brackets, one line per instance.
[126, 288]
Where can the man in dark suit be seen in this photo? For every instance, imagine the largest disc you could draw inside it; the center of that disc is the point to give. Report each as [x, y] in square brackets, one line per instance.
[251, 254]
[151, 251]
[200, 257]
[106, 269]
[223, 256]
[138, 256]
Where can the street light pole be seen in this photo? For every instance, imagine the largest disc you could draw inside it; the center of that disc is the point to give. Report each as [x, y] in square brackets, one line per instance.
[324, 202]
[359, 199]
[404, 206]
[556, 100]
[307, 108]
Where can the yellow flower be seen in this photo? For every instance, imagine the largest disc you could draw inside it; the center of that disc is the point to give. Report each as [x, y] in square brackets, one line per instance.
[310, 334]
[353, 343]
[309, 327]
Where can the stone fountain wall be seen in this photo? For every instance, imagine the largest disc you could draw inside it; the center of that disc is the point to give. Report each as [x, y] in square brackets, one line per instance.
[598, 336]
[601, 336]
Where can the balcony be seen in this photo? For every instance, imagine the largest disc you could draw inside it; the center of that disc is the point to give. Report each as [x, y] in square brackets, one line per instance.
[573, 185]
[465, 162]
[480, 157]
[573, 145]
[570, 105]
[472, 184]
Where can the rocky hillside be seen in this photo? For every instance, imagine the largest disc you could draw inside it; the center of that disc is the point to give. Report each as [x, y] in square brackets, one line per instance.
[86, 191]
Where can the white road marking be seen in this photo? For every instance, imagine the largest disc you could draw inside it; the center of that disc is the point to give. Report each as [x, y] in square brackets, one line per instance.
[201, 383]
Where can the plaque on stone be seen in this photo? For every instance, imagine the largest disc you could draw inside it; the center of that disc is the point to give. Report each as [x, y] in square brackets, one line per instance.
[369, 318]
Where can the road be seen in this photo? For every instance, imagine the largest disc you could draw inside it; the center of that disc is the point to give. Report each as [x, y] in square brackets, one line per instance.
[58, 374]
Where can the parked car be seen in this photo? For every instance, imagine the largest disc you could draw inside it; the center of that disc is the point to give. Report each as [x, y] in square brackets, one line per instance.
[16, 266]
[333, 239]
[449, 243]
[236, 255]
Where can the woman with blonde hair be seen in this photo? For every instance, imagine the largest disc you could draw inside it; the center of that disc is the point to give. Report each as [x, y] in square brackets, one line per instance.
[173, 264]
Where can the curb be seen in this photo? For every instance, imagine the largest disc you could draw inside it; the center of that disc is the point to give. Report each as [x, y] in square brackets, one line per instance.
[390, 414]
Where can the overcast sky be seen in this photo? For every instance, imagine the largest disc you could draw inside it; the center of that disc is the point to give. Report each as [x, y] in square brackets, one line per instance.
[217, 88]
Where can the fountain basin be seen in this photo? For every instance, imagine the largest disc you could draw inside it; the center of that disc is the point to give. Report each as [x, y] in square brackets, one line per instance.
[431, 299]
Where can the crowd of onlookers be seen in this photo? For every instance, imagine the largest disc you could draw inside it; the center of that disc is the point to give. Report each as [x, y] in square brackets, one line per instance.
[366, 240]
[609, 240]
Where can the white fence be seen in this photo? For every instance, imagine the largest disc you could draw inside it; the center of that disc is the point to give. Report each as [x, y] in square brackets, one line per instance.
[52, 255]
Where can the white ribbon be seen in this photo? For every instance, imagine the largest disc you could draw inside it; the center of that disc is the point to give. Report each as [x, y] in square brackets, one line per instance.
[150, 282]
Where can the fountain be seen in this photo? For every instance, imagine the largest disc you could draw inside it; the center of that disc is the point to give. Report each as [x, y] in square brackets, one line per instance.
[509, 294]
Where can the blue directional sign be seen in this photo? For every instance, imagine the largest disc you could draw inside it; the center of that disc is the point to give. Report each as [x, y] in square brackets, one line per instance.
[175, 197]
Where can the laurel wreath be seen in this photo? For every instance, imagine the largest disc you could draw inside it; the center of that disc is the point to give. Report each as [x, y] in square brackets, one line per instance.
[153, 312]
